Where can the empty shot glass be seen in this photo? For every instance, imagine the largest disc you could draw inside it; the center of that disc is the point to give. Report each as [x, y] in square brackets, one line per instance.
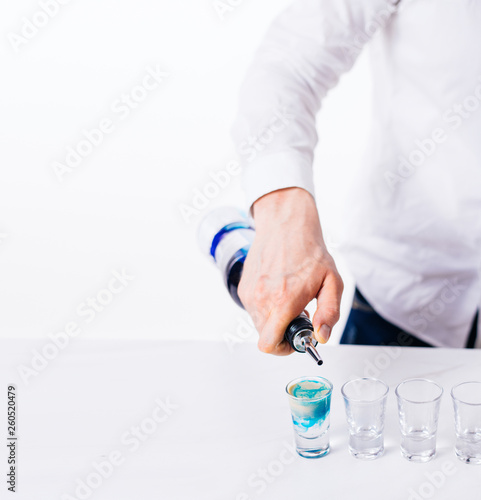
[418, 404]
[365, 401]
[467, 416]
[310, 404]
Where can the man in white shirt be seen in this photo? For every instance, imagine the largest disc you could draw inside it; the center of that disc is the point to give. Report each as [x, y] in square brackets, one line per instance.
[413, 235]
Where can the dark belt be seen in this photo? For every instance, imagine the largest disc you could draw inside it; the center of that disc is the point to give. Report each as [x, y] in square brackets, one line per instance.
[360, 303]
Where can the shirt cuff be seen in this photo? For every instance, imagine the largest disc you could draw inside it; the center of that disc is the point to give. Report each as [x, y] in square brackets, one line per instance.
[276, 171]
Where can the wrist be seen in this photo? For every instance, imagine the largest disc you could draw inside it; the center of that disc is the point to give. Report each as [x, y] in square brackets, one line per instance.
[285, 205]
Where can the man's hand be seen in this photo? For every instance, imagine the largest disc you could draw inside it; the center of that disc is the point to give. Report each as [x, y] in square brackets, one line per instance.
[287, 266]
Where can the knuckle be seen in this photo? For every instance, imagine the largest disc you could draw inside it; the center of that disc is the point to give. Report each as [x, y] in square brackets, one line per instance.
[279, 297]
[260, 291]
[266, 347]
[259, 295]
[332, 312]
[269, 295]
[340, 282]
[257, 318]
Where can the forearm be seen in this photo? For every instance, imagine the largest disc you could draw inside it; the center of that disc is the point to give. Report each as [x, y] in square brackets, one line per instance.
[304, 53]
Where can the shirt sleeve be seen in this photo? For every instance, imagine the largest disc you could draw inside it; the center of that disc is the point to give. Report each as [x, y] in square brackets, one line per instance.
[302, 56]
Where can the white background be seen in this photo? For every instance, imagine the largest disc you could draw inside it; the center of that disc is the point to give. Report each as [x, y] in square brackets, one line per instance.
[120, 208]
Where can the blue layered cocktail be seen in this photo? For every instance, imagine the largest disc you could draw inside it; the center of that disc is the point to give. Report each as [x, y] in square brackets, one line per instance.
[310, 403]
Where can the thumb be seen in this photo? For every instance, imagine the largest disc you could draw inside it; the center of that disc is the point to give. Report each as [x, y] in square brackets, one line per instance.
[328, 307]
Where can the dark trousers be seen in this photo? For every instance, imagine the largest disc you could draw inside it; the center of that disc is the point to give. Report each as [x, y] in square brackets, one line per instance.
[365, 327]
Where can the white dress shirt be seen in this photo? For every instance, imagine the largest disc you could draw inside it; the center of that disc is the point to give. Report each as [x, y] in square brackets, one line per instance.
[413, 229]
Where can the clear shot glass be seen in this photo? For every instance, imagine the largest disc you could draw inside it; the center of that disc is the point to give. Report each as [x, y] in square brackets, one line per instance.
[418, 404]
[365, 401]
[310, 403]
[467, 417]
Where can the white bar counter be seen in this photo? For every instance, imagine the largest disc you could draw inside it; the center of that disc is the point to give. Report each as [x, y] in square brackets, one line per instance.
[162, 420]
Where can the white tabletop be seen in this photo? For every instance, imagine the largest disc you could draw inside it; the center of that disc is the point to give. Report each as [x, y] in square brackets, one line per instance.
[224, 429]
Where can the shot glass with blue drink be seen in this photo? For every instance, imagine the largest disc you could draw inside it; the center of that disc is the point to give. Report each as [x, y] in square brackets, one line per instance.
[310, 404]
